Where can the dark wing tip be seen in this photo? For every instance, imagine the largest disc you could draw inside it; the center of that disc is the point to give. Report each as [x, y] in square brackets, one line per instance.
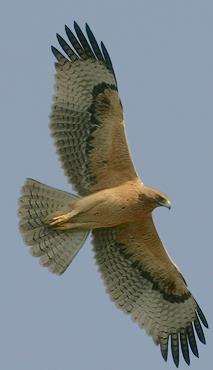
[77, 28]
[199, 330]
[53, 49]
[83, 47]
[60, 57]
[184, 339]
[84, 42]
[164, 351]
[201, 316]
[192, 340]
[95, 47]
[175, 348]
[164, 355]
[87, 27]
[66, 28]
[184, 346]
[107, 58]
[66, 48]
[106, 55]
[164, 348]
[75, 43]
[60, 39]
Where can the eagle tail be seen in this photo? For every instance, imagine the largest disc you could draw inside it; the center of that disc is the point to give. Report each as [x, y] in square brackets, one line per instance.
[56, 248]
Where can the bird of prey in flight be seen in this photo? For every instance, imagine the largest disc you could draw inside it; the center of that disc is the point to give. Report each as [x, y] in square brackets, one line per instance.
[88, 129]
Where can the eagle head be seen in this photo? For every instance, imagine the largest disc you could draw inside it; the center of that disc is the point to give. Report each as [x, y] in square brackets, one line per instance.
[153, 198]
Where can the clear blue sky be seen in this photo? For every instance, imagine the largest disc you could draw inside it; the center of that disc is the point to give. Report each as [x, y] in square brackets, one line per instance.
[163, 57]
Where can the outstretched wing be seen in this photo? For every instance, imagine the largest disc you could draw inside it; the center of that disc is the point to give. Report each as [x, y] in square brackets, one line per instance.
[87, 121]
[145, 283]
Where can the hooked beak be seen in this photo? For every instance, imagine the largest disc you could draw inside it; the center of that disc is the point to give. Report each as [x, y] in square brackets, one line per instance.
[167, 204]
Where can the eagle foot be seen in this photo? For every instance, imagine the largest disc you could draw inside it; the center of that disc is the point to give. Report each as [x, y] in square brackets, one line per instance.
[60, 222]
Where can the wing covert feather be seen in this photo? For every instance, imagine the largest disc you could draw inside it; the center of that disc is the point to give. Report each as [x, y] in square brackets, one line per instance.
[143, 281]
[87, 121]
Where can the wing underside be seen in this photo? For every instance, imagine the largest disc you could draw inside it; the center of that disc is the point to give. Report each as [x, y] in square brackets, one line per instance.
[87, 121]
[149, 287]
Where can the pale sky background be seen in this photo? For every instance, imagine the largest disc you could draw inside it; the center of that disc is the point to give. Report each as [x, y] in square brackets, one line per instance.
[162, 52]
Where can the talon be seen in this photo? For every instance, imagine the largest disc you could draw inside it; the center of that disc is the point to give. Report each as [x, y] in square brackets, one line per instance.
[58, 220]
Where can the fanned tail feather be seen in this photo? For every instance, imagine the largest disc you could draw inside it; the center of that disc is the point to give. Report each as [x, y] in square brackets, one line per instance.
[55, 248]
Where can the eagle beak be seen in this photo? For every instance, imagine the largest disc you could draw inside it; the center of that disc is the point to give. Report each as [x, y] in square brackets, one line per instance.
[167, 204]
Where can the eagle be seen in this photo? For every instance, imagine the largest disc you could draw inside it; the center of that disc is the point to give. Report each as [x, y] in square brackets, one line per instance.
[111, 202]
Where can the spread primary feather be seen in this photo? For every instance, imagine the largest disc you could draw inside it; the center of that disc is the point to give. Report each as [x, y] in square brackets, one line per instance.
[88, 129]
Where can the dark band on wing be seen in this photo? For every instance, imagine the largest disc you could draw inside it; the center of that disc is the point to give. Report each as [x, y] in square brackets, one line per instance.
[81, 48]
[170, 297]
[64, 135]
[105, 239]
[100, 88]
[94, 122]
